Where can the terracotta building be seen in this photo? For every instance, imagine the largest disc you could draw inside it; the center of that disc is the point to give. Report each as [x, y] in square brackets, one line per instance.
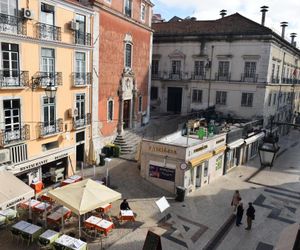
[122, 57]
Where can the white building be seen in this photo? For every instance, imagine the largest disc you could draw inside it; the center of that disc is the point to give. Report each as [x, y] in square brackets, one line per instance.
[242, 67]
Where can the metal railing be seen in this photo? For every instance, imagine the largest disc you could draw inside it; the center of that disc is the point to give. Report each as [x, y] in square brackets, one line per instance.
[12, 24]
[7, 137]
[198, 76]
[50, 128]
[81, 121]
[48, 32]
[82, 38]
[81, 79]
[13, 78]
[249, 77]
[46, 79]
[156, 75]
[275, 80]
[223, 77]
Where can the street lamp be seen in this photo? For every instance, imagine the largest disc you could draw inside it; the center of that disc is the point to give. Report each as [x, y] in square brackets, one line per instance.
[50, 91]
[268, 150]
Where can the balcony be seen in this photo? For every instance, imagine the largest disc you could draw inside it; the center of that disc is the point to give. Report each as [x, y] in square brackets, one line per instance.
[81, 79]
[51, 128]
[275, 80]
[12, 24]
[156, 75]
[48, 32]
[45, 79]
[249, 77]
[9, 137]
[13, 78]
[198, 76]
[223, 77]
[82, 38]
[81, 122]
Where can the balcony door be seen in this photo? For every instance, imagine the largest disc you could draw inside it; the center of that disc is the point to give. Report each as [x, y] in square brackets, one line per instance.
[48, 67]
[49, 120]
[8, 13]
[80, 64]
[47, 31]
[10, 65]
[12, 119]
[80, 33]
[80, 106]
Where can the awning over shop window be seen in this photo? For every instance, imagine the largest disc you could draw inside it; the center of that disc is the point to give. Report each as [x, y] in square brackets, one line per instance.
[235, 144]
[220, 149]
[254, 138]
[196, 161]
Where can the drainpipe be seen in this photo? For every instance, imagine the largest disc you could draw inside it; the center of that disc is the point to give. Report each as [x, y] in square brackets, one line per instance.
[210, 72]
[149, 78]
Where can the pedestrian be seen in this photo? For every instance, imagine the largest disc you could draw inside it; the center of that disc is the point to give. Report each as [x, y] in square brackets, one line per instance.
[239, 214]
[236, 199]
[124, 205]
[250, 216]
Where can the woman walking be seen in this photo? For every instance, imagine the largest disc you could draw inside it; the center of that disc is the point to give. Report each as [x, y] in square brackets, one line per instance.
[236, 199]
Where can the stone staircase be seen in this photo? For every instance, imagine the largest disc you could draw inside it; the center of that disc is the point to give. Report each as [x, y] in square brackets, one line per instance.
[128, 143]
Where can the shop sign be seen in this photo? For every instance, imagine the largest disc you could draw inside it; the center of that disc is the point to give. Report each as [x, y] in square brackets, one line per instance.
[162, 149]
[12, 203]
[162, 173]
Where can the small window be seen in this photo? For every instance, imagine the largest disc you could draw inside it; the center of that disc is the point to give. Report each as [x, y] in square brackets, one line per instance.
[154, 93]
[223, 70]
[247, 99]
[197, 96]
[274, 99]
[110, 110]
[143, 12]
[270, 100]
[155, 66]
[128, 8]
[250, 69]
[128, 55]
[221, 97]
[140, 103]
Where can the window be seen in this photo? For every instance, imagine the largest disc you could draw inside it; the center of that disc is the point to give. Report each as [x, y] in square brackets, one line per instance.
[80, 105]
[140, 103]
[219, 162]
[277, 74]
[8, 7]
[223, 68]
[48, 66]
[274, 99]
[110, 110]
[199, 68]
[155, 66]
[176, 67]
[47, 14]
[143, 11]
[205, 169]
[273, 71]
[221, 97]
[247, 99]
[128, 55]
[10, 63]
[197, 96]
[154, 93]
[49, 115]
[9, 21]
[128, 8]
[269, 99]
[250, 69]
[12, 119]
[80, 68]
[80, 34]
[46, 28]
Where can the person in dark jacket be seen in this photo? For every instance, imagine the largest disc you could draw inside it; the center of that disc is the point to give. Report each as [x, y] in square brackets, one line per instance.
[239, 214]
[250, 216]
[124, 205]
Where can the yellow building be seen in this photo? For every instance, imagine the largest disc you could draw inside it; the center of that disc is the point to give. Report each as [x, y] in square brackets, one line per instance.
[45, 50]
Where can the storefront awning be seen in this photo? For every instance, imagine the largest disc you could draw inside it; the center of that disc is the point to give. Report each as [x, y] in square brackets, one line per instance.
[235, 144]
[219, 149]
[254, 138]
[196, 161]
[13, 190]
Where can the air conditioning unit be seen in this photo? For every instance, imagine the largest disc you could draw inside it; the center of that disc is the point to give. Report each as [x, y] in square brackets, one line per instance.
[4, 155]
[73, 112]
[27, 13]
[74, 25]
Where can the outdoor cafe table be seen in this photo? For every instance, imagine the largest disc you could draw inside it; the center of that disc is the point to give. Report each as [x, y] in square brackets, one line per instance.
[9, 213]
[92, 221]
[71, 243]
[56, 216]
[48, 237]
[105, 226]
[41, 207]
[32, 203]
[19, 226]
[104, 208]
[127, 215]
[32, 231]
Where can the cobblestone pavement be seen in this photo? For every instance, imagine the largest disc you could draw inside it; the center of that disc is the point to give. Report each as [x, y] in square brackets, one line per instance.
[204, 220]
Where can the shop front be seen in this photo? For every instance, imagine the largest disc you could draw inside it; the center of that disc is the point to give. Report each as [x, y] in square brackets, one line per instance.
[48, 168]
[251, 146]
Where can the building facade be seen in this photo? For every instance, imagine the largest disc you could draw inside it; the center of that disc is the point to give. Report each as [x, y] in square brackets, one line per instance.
[241, 67]
[124, 44]
[45, 86]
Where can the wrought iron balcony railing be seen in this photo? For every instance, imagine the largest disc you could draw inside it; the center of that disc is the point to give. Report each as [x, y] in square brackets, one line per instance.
[48, 32]
[156, 75]
[51, 128]
[81, 121]
[275, 80]
[249, 77]
[8, 137]
[223, 77]
[12, 24]
[198, 76]
[81, 79]
[13, 78]
[46, 79]
[82, 38]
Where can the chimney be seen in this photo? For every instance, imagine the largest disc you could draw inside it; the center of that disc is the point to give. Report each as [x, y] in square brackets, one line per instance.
[293, 35]
[283, 25]
[263, 10]
[223, 13]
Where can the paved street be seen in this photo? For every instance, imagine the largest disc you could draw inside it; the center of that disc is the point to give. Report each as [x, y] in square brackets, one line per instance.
[205, 219]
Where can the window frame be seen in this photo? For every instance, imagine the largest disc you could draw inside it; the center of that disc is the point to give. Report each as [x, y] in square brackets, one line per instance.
[80, 105]
[151, 93]
[220, 97]
[110, 113]
[140, 104]
[222, 70]
[248, 70]
[143, 12]
[199, 95]
[125, 55]
[129, 6]
[247, 103]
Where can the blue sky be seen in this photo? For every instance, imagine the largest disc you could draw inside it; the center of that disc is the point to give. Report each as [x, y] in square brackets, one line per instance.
[287, 10]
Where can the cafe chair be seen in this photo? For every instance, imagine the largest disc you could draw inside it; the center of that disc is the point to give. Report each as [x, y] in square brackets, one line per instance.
[26, 238]
[15, 234]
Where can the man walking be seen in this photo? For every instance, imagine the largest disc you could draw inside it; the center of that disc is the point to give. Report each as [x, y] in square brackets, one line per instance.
[250, 216]
[239, 214]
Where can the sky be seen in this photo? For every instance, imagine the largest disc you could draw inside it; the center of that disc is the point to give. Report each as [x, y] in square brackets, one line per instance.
[279, 11]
